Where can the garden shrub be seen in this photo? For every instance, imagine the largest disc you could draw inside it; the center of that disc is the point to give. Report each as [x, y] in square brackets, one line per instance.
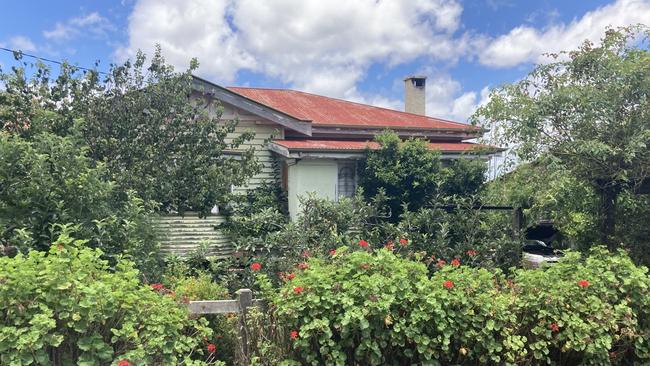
[66, 307]
[408, 172]
[377, 308]
[48, 181]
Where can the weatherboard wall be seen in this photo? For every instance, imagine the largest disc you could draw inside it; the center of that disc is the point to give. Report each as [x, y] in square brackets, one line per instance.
[182, 235]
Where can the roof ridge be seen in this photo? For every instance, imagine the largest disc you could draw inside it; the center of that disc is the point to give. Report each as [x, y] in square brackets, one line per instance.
[357, 103]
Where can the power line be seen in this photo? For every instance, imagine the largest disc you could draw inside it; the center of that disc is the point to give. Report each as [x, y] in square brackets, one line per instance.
[49, 60]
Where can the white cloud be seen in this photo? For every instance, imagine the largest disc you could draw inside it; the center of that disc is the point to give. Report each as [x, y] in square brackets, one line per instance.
[92, 24]
[445, 98]
[21, 43]
[318, 46]
[527, 44]
[187, 29]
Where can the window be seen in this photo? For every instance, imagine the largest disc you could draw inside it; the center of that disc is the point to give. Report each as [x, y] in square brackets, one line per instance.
[347, 179]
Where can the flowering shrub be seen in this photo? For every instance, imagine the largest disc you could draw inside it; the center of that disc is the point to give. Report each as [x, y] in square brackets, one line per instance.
[376, 308]
[65, 307]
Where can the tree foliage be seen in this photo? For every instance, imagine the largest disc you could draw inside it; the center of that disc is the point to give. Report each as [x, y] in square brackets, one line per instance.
[154, 141]
[105, 152]
[138, 121]
[410, 173]
[587, 109]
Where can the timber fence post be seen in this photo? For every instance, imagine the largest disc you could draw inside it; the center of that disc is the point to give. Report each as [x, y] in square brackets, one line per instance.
[245, 299]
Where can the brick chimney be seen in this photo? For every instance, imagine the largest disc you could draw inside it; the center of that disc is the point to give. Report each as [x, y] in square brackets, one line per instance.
[414, 99]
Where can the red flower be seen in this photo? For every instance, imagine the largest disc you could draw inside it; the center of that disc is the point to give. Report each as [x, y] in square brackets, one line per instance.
[212, 348]
[303, 265]
[124, 363]
[298, 290]
[472, 253]
[389, 245]
[256, 266]
[363, 243]
[333, 252]
[403, 241]
[583, 283]
[441, 263]
[291, 276]
[448, 284]
[294, 334]
[554, 327]
[158, 286]
[455, 262]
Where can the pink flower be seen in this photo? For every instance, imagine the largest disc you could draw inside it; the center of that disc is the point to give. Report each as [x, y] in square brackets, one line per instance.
[455, 262]
[333, 252]
[303, 265]
[554, 327]
[363, 243]
[441, 263]
[583, 283]
[472, 253]
[403, 241]
[124, 363]
[294, 334]
[212, 348]
[448, 284]
[256, 266]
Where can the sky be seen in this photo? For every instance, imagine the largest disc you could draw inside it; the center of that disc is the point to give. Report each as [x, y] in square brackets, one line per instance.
[357, 50]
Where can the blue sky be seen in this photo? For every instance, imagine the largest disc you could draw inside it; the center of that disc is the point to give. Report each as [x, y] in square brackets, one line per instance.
[357, 50]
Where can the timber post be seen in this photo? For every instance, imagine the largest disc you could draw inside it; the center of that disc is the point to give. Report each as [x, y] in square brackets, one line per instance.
[245, 300]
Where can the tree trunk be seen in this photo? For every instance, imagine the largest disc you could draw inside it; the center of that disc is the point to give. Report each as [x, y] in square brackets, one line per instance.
[608, 197]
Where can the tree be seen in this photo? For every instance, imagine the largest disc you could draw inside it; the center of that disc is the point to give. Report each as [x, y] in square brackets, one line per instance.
[411, 173]
[153, 140]
[140, 123]
[587, 110]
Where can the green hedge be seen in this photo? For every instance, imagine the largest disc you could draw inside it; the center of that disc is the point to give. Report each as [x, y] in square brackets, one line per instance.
[66, 308]
[376, 308]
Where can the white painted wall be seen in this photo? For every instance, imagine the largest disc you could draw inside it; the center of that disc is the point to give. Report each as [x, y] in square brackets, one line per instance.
[318, 176]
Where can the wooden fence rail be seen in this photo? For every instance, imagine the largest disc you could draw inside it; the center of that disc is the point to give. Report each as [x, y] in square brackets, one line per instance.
[240, 305]
[244, 300]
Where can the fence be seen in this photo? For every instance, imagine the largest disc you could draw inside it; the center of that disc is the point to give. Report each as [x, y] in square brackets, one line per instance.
[240, 305]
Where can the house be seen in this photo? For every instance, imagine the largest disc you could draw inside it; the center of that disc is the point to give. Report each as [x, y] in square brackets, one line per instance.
[311, 143]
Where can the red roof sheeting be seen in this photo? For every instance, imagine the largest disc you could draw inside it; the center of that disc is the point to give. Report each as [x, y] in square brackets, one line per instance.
[341, 145]
[325, 111]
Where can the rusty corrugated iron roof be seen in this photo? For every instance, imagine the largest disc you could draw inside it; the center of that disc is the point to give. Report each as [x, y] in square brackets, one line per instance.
[332, 112]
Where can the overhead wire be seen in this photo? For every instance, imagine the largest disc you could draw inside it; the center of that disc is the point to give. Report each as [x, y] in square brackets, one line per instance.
[49, 60]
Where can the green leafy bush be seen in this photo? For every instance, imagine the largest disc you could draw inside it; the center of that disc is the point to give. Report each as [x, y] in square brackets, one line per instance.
[411, 173]
[48, 181]
[65, 307]
[377, 308]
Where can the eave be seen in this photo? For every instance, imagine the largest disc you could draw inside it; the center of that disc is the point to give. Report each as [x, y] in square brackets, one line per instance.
[227, 96]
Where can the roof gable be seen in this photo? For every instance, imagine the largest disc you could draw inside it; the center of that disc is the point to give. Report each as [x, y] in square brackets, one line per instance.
[332, 112]
[240, 101]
